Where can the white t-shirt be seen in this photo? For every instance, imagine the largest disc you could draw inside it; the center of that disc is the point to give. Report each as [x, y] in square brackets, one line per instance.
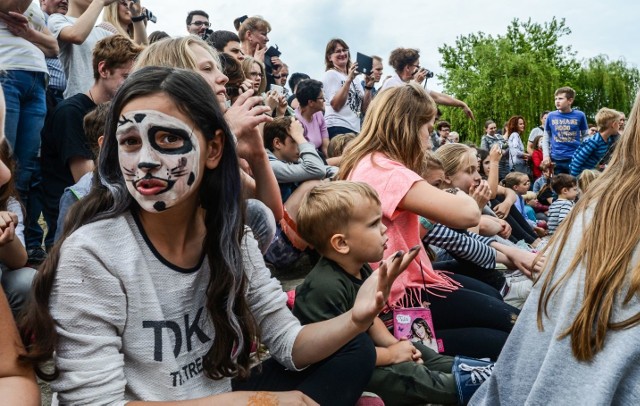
[132, 326]
[393, 81]
[76, 59]
[17, 53]
[349, 115]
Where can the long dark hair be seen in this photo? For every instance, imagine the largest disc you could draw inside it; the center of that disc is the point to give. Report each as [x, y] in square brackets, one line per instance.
[220, 196]
[8, 190]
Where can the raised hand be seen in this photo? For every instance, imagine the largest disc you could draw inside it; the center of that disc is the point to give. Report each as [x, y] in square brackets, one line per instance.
[243, 118]
[481, 193]
[374, 291]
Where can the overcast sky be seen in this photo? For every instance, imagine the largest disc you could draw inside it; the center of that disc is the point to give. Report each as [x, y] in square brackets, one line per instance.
[301, 29]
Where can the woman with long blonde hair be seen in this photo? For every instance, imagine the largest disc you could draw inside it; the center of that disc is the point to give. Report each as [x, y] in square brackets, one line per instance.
[128, 19]
[468, 315]
[582, 319]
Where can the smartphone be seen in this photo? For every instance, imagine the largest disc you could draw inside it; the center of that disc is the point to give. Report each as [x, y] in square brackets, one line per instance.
[279, 89]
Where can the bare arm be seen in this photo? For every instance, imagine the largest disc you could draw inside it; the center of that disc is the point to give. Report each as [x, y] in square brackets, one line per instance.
[317, 341]
[455, 211]
[17, 381]
[139, 27]
[12, 252]
[19, 26]
[446, 100]
[80, 30]
[340, 98]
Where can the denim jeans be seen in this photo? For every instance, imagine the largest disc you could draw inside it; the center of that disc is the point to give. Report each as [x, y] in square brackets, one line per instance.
[25, 96]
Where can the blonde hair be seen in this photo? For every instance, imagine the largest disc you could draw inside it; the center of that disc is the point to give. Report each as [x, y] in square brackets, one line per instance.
[585, 178]
[605, 117]
[392, 126]
[110, 15]
[247, 64]
[339, 143]
[529, 196]
[431, 163]
[606, 249]
[452, 157]
[327, 209]
[175, 53]
[255, 23]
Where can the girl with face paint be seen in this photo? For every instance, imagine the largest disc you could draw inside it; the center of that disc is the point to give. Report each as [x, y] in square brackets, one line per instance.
[243, 117]
[158, 289]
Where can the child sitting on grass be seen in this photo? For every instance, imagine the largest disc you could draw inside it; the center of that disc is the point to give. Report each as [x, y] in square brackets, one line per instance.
[566, 187]
[343, 221]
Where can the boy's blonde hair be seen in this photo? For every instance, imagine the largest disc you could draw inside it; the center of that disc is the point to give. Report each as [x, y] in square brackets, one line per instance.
[338, 144]
[327, 209]
[585, 178]
[605, 117]
[529, 196]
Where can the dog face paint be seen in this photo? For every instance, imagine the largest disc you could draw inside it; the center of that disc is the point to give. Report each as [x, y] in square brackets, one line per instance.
[159, 156]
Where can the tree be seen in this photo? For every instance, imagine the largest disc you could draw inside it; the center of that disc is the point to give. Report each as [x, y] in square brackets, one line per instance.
[604, 83]
[517, 74]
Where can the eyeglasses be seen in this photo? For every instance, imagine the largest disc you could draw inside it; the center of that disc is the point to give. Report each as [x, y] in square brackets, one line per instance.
[201, 23]
[321, 99]
[256, 74]
[341, 51]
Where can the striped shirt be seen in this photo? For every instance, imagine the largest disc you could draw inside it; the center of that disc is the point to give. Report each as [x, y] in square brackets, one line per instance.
[57, 78]
[590, 153]
[462, 244]
[557, 212]
[16, 53]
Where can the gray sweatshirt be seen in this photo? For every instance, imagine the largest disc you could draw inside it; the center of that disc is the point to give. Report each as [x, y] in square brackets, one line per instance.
[132, 326]
[537, 368]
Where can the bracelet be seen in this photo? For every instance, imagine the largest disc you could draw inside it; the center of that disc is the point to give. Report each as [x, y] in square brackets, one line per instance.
[453, 190]
[139, 18]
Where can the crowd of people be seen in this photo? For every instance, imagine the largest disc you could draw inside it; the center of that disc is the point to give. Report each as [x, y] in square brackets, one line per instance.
[149, 186]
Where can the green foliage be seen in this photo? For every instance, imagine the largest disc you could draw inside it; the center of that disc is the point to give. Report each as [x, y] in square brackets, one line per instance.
[518, 73]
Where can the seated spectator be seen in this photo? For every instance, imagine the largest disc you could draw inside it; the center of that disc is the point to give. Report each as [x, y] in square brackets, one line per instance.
[585, 179]
[491, 138]
[293, 159]
[128, 19]
[237, 83]
[77, 35]
[339, 143]
[310, 114]
[293, 85]
[519, 182]
[566, 187]
[66, 156]
[536, 158]
[243, 117]
[351, 236]
[536, 133]
[443, 129]
[590, 153]
[227, 42]
[254, 70]
[93, 125]
[453, 138]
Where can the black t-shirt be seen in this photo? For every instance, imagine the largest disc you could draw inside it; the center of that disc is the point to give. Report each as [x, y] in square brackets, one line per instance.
[62, 140]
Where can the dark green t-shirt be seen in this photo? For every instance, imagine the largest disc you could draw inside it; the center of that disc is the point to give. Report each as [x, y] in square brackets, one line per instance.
[327, 291]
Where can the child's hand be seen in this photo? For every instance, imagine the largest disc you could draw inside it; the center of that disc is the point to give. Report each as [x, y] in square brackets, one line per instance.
[481, 193]
[404, 351]
[502, 209]
[8, 222]
[496, 153]
[374, 291]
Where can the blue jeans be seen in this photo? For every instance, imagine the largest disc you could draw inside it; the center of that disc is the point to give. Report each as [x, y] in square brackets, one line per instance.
[25, 96]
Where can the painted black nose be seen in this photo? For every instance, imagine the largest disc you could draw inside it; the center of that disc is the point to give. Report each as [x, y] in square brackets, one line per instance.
[147, 165]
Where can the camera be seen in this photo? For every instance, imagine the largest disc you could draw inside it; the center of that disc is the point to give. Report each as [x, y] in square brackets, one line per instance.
[149, 16]
[429, 74]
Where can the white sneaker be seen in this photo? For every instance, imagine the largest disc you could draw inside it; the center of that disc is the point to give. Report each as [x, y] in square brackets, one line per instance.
[519, 289]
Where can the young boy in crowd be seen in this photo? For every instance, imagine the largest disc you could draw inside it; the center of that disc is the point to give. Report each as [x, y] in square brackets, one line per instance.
[563, 131]
[343, 221]
[566, 187]
[591, 152]
[293, 159]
